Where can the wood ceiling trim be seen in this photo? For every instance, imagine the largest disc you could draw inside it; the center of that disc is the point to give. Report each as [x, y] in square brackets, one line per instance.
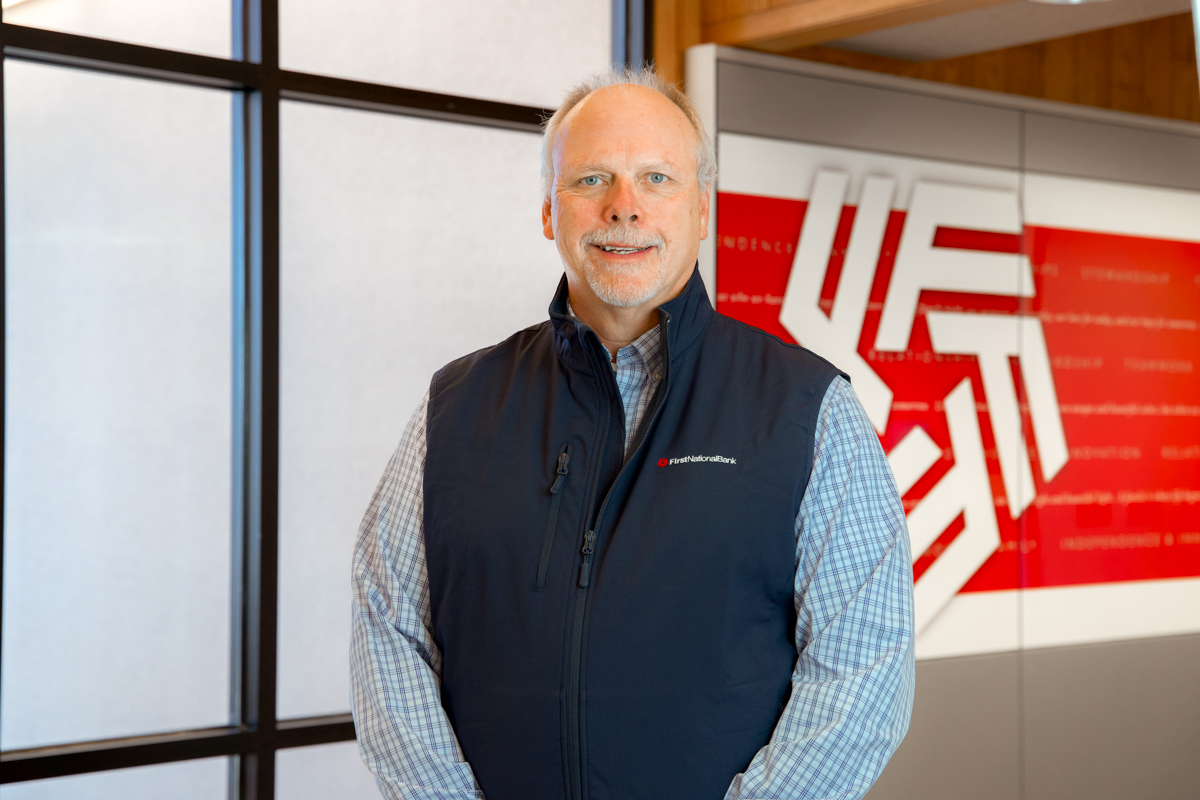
[808, 22]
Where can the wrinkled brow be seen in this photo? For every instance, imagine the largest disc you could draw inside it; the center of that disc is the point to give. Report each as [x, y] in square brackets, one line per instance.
[662, 166]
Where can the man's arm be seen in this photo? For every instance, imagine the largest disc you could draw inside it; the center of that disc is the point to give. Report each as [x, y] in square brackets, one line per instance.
[852, 688]
[403, 733]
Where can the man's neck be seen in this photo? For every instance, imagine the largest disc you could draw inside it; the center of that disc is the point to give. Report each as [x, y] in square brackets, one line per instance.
[616, 327]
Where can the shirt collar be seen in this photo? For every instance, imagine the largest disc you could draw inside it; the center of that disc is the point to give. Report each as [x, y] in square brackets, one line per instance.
[646, 350]
[681, 320]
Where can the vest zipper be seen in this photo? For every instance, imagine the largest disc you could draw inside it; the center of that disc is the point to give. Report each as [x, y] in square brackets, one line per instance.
[585, 567]
[574, 749]
[564, 462]
[574, 699]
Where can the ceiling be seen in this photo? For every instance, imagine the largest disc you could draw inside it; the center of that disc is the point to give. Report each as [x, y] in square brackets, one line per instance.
[1006, 25]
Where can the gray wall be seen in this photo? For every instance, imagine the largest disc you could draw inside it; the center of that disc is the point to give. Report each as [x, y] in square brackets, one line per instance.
[1093, 722]
[844, 108]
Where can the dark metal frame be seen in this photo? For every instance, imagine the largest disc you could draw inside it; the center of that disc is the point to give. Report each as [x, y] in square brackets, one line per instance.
[257, 86]
[633, 33]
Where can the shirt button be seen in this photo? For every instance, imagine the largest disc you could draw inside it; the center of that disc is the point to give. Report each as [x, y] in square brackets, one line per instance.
[657, 377]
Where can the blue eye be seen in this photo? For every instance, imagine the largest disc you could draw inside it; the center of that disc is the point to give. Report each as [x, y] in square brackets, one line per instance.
[657, 177]
[591, 180]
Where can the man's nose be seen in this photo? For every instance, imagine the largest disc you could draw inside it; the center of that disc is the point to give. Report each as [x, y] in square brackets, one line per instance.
[623, 205]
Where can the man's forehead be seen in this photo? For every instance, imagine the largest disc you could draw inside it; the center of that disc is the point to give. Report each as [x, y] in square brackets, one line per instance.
[626, 95]
[626, 123]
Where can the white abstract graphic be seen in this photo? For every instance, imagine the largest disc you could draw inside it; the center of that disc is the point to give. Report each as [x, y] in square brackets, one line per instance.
[993, 339]
[836, 336]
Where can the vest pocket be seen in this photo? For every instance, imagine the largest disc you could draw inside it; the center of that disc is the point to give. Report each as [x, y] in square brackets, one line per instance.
[564, 463]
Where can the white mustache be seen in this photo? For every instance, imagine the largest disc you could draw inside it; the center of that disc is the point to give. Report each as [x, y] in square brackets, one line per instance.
[621, 235]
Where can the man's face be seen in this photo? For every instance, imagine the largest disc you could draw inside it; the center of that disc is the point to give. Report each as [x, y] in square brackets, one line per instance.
[626, 210]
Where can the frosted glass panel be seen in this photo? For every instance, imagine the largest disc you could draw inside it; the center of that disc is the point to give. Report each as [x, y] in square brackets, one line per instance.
[521, 51]
[406, 243]
[187, 780]
[323, 772]
[117, 459]
[197, 26]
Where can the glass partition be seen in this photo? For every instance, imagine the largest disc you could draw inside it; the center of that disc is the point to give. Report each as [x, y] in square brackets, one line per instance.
[117, 407]
[521, 51]
[323, 772]
[196, 26]
[405, 244]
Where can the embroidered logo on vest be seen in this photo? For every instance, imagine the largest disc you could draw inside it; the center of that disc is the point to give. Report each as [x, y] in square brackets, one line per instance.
[663, 462]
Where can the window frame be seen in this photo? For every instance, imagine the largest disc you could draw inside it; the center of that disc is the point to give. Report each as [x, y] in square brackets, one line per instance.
[256, 87]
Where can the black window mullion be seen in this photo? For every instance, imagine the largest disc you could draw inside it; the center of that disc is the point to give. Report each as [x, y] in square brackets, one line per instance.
[377, 97]
[56, 761]
[257, 22]
[121, 58]
[262, 606]
[241, 485]
[632, 33]
[3, 333]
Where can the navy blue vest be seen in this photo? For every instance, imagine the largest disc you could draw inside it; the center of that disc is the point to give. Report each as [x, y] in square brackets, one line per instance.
[617, 629]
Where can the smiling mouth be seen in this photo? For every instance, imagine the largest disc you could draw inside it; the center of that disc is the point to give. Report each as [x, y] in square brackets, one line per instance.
[621, 251]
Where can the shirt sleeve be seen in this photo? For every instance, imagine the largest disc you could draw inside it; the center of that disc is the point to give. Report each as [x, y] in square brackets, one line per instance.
[404, 736]
[852, 687]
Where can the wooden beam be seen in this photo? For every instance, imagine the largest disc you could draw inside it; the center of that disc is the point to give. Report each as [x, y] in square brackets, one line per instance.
[806, 22]
[1146, 67]
[676, 28]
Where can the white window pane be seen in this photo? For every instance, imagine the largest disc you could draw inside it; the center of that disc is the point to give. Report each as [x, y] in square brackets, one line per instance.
[207, 779]
[520, 51]
[323, 772]
[117, 453]
[197, 26]
[406, 243]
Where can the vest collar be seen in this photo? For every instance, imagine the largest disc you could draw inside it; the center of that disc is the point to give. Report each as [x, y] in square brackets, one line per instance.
[683, 319]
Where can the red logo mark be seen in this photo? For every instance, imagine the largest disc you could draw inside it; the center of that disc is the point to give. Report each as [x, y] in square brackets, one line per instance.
[662, 462]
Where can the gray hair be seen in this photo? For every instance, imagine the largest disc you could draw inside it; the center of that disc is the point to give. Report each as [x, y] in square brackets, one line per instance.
[706, 157]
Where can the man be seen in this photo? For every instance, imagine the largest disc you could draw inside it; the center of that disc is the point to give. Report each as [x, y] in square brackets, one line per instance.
[639, 550]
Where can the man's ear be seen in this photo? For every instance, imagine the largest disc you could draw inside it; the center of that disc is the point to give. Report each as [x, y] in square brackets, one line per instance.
[547, 220]
[705, 198]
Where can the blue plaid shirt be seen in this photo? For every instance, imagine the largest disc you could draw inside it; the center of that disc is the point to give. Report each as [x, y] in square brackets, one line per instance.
[852, 687]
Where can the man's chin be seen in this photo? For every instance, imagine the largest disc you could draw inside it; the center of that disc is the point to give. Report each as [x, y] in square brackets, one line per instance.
[624, 291]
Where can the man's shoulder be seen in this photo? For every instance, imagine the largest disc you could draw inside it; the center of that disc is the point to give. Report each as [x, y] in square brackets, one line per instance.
[522, 343]
[769, 351]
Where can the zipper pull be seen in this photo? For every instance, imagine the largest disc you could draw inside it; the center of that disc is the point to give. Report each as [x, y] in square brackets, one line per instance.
[585, 569]
[563, 460]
